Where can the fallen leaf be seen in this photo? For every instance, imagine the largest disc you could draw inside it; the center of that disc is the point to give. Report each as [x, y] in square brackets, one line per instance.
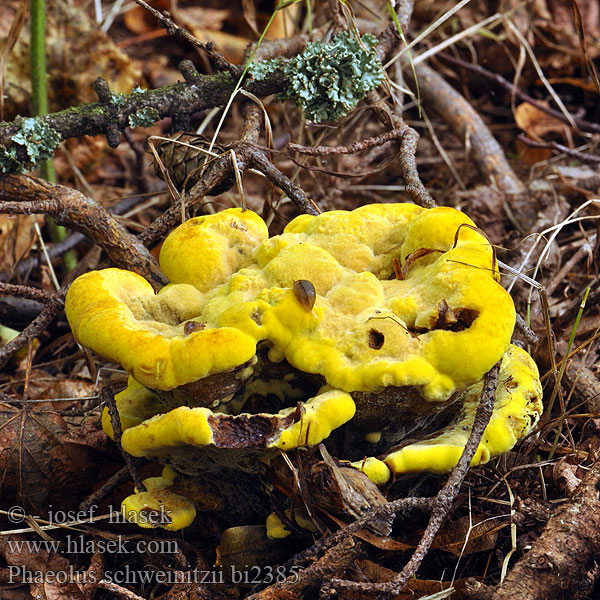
[17, 237]
[247, 546]
[536, 123]
[464, 536]
[40, 564]
[250, 15]
[566, 475]
[41, 463]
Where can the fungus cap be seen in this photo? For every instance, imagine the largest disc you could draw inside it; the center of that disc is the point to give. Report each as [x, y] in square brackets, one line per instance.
[438, 329]
[517, 408]
[158, 506]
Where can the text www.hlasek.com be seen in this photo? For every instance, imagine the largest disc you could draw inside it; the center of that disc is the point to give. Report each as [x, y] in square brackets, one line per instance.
[81, 545]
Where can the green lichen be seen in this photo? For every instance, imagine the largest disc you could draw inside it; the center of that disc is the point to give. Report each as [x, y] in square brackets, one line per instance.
[328, 79]
[143, 117]
[40, 140]
[9, 163]
[261, 70]
[118, 99]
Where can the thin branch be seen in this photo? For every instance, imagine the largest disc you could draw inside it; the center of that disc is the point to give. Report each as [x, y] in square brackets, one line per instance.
[468, 125]
[581, 123]
[117, 590]
[338, 540]
[39, 325]
[71, 241]
[562, 560]
[261, 163]
[25, 291]
[28, 195]
[218, 59]
[107, 397]
[528, 333]
[112, 113]
[379, 140]
[121, 476]
[407, 152]
[584, 156]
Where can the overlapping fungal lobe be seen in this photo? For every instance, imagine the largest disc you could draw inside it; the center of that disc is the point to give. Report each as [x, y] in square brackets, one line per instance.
[381, 315]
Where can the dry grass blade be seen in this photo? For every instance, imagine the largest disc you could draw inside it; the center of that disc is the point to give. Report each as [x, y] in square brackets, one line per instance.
[579, 26]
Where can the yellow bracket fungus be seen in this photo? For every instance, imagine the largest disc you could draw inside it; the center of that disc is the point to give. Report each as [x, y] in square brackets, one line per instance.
[380, 319]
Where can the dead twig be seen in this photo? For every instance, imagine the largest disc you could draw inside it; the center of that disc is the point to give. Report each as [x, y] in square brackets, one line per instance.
[218, 59]
[261, 163]
[468, 125]
[121, 476]
[247, 153]
[25, 291]
[530, 336]
[107, 397]
[561, 561]
[407, 151]
[39, 325]
[584, 156]
[581, 123]
[57, 249]
[111, 114]
[565, 319]
[338, 540]
[28, 195]
[118, 591]
[334, 561]
[351, 148]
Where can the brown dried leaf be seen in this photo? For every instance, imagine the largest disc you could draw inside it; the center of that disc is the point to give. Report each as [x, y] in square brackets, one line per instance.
[71, 390]
[204, 17]
[415, 588]
[566, 475]
[78, 52]
[37, 563]
[482, 536]
[332, 489]
[249, 12]
[40, 462]
[232, 46]
[531, 156]
[138, 20]
[536, 123]
[246, 546]
[281, 27]
[86, 153]
[17, 236]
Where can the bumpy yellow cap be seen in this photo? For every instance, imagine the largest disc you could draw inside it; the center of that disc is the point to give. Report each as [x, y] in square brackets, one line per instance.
[439, 328]
[517, 409]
